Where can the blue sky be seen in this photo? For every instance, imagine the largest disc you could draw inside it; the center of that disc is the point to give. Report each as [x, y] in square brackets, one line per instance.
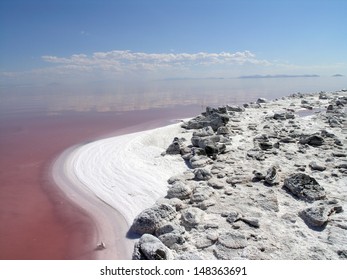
[84, 39]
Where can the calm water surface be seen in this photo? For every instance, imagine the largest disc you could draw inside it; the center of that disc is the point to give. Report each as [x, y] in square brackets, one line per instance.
[38, 123]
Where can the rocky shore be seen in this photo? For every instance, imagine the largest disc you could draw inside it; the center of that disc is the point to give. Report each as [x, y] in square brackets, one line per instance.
[266, 180]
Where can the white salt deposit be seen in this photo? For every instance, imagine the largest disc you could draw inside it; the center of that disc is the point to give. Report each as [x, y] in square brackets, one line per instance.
[128, 172]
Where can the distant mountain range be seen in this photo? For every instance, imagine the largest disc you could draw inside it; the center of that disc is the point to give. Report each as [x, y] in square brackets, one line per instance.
[277, 76]
[337, 75]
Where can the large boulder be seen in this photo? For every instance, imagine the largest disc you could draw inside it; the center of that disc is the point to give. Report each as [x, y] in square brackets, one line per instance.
[150, 247]
[318, 214]
[149, 220]
[304, 187]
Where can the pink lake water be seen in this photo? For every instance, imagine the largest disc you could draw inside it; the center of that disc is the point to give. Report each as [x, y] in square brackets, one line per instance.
[38, 123]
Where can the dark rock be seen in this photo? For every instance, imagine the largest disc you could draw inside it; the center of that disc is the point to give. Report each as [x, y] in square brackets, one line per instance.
[211, 150]
[254, 222]
[304, 187]
[271, 175]
[315, 166]
[312, 140]
[235, 108]
[265, 145]
[174, 148]
[261, 100]
[342, 254]
[283, 116]
[339, 155]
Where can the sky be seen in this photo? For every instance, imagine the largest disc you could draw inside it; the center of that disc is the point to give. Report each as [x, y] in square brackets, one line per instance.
[51, 41]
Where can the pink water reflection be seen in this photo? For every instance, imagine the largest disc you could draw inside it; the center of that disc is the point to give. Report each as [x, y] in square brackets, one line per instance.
[36, 221]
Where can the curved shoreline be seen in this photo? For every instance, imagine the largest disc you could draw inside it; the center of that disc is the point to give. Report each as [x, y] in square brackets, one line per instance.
[108, 194]
[99, 212]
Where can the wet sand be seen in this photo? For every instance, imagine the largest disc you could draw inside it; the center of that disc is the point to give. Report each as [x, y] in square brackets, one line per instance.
[37, 221]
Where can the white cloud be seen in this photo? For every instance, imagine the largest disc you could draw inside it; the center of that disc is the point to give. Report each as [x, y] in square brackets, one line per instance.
[132, 61]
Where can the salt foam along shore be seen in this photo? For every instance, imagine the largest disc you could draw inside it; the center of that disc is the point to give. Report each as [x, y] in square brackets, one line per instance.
[114, 179]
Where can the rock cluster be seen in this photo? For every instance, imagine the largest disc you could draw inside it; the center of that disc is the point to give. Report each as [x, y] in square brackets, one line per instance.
[262, 183]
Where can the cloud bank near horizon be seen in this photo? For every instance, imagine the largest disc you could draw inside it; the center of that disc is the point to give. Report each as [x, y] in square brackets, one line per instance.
[127, 64]
[126, 60]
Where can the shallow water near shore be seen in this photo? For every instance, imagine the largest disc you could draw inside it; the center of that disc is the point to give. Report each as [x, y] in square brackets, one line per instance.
[36, 124]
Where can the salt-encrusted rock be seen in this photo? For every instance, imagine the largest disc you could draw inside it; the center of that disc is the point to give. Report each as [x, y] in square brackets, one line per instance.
[318, 214]
[211, 150]
[187, 175]
[174, 148]
[192, 217]
[261, 100]
[150, 247]
[208, 140]
[258, 175]
[323, 95]
[149, 220]
[198, 161]
[217, 120]
[176, 203]
[312, 140]
[205, 131]
[232, 239]
[304, 187]
[254, 222]
[212, 117]
[283, 116]
[315, 166]
[235, 108]
[180, 190]
[271, 175]
[172, 239]
[216, 183]
[256, 154]
[169, 227]
[233, 217]
[200, 194]
[266, 145]
[202, 174]
[223, 130]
